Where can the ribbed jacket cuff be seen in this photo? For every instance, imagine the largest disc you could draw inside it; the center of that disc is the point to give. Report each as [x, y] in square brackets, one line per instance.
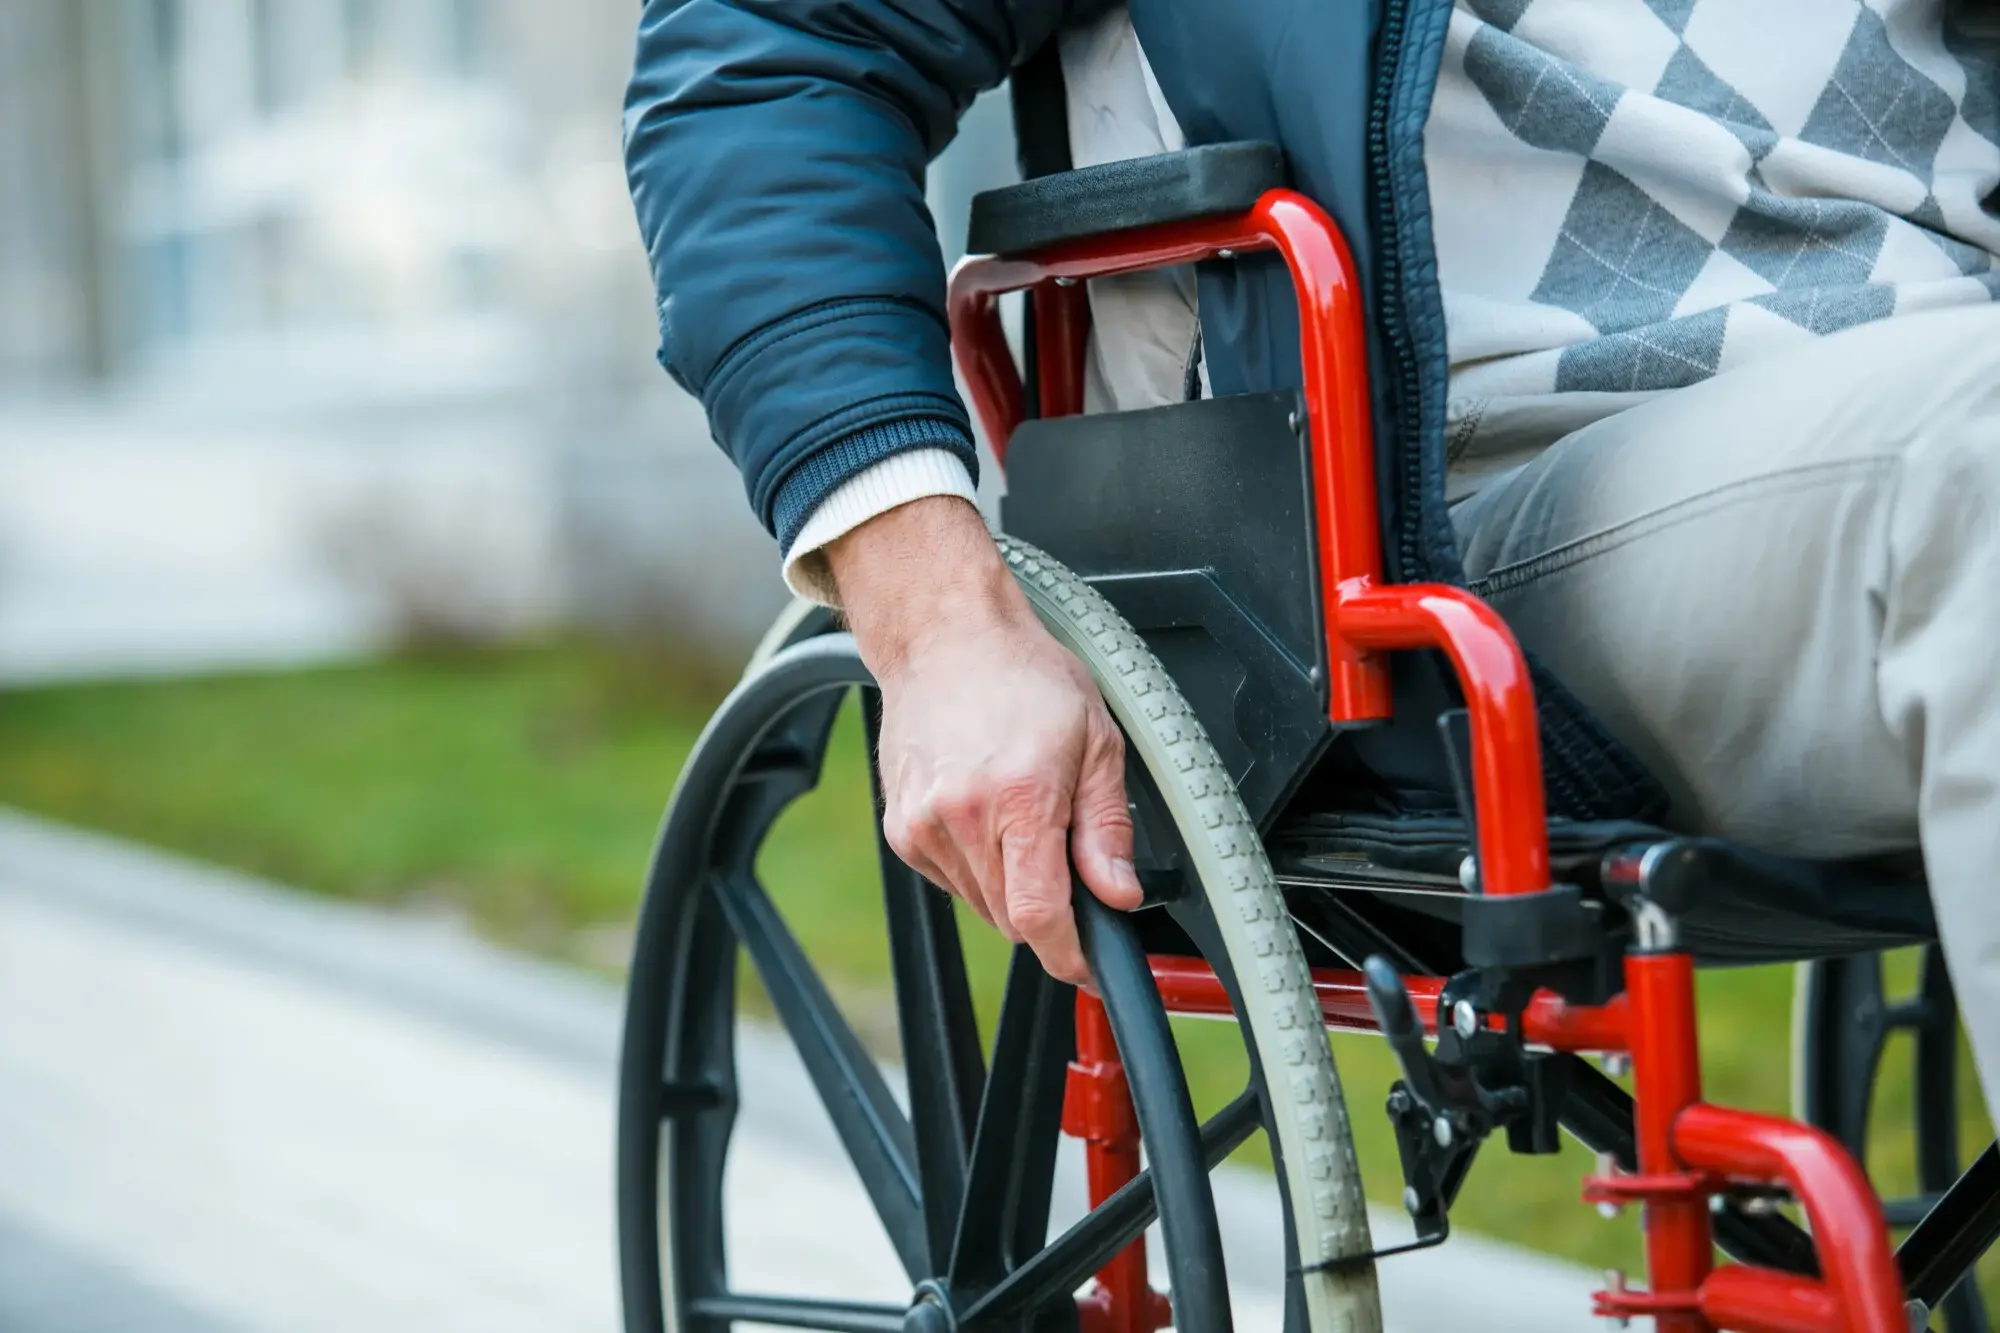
[898, 479]
[816, 475]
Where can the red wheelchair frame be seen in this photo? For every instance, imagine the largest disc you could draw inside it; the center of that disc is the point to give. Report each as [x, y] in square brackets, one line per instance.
[1688, 1151]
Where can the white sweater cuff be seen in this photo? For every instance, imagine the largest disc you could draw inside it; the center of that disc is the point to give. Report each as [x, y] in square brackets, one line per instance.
[896, 480]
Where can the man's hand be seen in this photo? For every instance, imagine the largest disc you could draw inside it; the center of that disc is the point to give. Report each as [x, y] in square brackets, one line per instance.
[999, 760]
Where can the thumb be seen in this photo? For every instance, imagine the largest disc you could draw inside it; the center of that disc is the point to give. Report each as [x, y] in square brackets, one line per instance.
[1101, 824]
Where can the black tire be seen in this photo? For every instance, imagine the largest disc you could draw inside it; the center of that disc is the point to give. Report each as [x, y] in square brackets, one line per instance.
[969, 1135]
[1843, 1020]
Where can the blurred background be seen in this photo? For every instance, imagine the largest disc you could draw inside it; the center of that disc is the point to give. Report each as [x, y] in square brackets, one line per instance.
[363, 585]
[351, 538]
[323, 324]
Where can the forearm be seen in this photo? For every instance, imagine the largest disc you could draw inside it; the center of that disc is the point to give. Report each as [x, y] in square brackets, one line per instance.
[920, 574]
[776, 153]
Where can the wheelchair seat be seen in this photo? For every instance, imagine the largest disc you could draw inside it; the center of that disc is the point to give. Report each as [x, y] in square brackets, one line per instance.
[1736, 905]
[1195, 521]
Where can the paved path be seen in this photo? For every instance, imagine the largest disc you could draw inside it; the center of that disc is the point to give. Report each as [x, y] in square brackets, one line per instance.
[228, 1109]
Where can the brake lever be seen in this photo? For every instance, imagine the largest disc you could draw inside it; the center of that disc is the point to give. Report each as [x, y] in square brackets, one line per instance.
[1396, 1016]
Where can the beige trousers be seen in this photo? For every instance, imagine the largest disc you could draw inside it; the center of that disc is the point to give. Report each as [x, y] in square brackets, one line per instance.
[1782, 588]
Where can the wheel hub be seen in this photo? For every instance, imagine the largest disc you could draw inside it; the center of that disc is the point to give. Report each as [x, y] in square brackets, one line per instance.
[930, 1312]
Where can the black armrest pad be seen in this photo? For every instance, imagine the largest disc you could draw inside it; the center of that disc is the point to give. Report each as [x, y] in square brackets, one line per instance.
[1117, 196]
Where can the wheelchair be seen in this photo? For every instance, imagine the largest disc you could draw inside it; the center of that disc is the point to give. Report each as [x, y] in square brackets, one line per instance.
[1492, 948]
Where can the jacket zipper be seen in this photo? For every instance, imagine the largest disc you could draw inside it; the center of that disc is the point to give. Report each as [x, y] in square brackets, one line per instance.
[1405, 552]
[1409, 560]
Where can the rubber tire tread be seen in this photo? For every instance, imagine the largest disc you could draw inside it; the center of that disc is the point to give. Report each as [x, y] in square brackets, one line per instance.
[1316, 1142]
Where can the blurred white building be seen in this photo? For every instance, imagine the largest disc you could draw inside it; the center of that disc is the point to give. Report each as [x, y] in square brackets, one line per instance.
[339, 306]
[191, 177]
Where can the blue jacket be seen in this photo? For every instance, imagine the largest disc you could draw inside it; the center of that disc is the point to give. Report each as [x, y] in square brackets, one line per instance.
[776, 151]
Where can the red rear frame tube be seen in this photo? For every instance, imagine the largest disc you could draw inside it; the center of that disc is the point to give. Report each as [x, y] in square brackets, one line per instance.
[1062, 339]
[1687, 1150]
[1190, 987]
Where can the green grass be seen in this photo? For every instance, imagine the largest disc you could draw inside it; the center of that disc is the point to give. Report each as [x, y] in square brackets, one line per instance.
[521, 789]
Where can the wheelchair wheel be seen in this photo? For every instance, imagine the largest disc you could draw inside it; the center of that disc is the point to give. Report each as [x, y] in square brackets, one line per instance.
[961, 1181]
[1844, 1018]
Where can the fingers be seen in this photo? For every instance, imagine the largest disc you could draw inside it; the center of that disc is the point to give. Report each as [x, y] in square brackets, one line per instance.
[1101, 822]
[1000, 765]
[1004, 845]
[932, 874]
[1034, 855]
[924, 844]
[963, 813]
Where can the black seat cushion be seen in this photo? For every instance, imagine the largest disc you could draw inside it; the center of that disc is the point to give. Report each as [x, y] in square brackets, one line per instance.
[1117, 196]
[1736, 905]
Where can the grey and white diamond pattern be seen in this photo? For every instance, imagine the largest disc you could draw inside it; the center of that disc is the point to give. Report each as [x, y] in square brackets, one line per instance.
[1810, 158]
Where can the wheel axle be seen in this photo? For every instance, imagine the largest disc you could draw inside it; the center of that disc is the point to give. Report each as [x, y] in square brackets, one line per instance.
[931, 1311]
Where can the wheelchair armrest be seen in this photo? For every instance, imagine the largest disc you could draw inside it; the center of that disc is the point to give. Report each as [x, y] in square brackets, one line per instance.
[1118, 196]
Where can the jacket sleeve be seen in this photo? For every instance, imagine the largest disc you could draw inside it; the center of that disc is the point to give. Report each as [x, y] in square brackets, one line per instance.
[776, 153]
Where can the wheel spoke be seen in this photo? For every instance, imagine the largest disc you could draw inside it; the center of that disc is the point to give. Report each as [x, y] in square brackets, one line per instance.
[941, 1052]
[1110, 1227]
[1847, 1038]
[871, 1126]
[790, 1312]
[1012, 1170]
[1964, 1225]
[1910, 1209]
[1936, 1096]
[1936, 1083]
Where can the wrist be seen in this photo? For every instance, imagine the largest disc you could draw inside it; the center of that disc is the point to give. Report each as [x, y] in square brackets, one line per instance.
[918, 575]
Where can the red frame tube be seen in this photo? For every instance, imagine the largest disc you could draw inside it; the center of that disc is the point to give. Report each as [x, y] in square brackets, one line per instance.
[1849, 1232]
[1506, 739]
[1364, 618]
[1685, 1148]
[1752, 1298]
[1666, 1079]
[1062, 339]
[1689, 1151]
[1190, 987]
[1332, 343]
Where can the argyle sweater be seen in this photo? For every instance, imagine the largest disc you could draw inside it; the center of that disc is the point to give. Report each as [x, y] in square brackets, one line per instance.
[1630, 196]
